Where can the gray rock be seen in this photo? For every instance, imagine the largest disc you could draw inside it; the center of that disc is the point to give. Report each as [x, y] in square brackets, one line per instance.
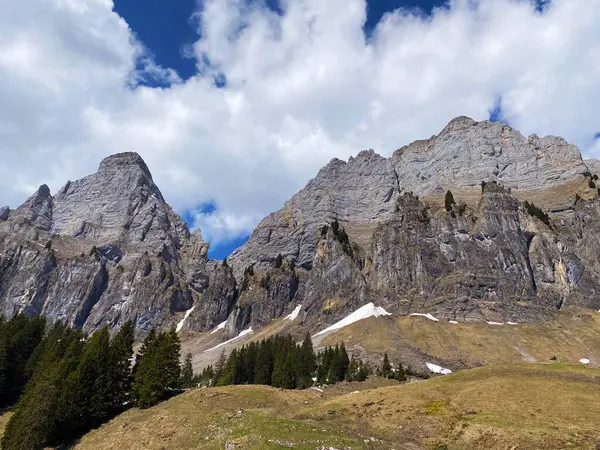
[118, 252]
[467, 152]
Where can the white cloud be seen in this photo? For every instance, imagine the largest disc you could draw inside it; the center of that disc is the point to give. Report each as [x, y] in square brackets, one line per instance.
[302, 88]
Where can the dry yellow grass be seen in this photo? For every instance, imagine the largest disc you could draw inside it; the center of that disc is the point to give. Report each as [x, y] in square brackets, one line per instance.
[573, 335]
[4, 418]
[496, 407]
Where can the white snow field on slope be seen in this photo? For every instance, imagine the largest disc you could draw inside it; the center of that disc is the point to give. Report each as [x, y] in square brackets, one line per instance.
[438, 369]
[182, 321]
[429, 316]
[584, 361]
[219, 327]
[294, 313]
[364, 312]
[242, 334]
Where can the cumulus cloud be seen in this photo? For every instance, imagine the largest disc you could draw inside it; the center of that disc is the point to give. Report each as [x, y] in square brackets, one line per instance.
[302, 86]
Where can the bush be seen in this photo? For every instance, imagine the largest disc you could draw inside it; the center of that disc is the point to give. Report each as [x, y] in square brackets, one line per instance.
[591, 184]
[264, 282]
[534, 211]
[278, 261]
[449, 201]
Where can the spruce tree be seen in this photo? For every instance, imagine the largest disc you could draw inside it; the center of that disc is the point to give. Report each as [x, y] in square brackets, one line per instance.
[121, 349]
[264, 364]
[219, 367]
[187, 372]
[289, 372]
[400, 374]
[305, 363]
[386, 367]
[157, 370]
[449, 201]
[34, 422]
[21, 337]
[278, 261]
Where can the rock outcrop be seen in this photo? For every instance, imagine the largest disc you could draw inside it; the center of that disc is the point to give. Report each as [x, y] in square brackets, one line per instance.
[106, 249]
[517, 241]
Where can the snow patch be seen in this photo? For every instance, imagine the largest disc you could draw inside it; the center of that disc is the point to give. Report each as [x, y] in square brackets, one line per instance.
[182, 321]
[364, 312]
[495, 323]
[512, 323]
[438, 369]
[429, 316]
[584, 361]
[242, 334]
[294, 313]
[453, 321]
[219, 327]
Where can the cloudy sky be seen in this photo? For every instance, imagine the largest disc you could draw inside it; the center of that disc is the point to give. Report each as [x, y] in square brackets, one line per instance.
[236, 104]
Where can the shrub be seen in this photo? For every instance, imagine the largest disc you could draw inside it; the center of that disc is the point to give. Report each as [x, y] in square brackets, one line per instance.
[449, 201]
[278, 261]
[534, 211]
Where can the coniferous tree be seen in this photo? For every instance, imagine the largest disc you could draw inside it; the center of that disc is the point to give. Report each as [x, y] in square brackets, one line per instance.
[21, 336]
[34, 422]
[264, 363]
[386, 367]
[86, 398]
[121, 349]
[449, 201]
[289, 372]
[305, 363]
[187, 372]
[157, 370]
[3, 357]
[399, 373]
[278, 261]
[219, 367]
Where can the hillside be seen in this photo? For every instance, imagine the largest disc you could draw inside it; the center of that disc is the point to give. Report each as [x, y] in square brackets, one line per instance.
[496, 407]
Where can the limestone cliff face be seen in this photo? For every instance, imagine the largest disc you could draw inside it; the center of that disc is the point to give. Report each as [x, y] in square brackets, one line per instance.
[107, 248]
[487, 258]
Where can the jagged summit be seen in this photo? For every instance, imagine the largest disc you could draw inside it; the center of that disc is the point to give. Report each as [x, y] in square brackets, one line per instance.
[121, 161]
[108, 248]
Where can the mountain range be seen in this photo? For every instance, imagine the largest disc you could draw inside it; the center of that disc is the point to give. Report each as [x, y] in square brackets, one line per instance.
[475, 224]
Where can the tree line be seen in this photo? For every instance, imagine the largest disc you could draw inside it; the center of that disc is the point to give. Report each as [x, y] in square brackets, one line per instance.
[65, 383]
[279, 361]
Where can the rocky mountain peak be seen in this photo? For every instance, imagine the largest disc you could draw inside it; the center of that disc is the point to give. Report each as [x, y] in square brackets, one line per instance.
[124, 161]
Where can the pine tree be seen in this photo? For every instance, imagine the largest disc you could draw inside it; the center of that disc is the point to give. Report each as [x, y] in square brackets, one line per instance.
[157, 370]
[187, 372]
[399, 374]
[344, 362]
[264, 364]
[3, 357]
[21, 337]
[34, 422]
[449, 201]
[386, 367]
[289, 372]
[219, 367]
[121, 349]
[278, 261]
[305, 363]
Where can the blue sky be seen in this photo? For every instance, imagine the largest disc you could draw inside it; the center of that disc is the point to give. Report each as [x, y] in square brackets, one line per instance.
[167, 27]
[233, 124]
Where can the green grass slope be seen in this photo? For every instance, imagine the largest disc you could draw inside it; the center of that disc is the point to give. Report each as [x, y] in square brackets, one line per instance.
[498, 407]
